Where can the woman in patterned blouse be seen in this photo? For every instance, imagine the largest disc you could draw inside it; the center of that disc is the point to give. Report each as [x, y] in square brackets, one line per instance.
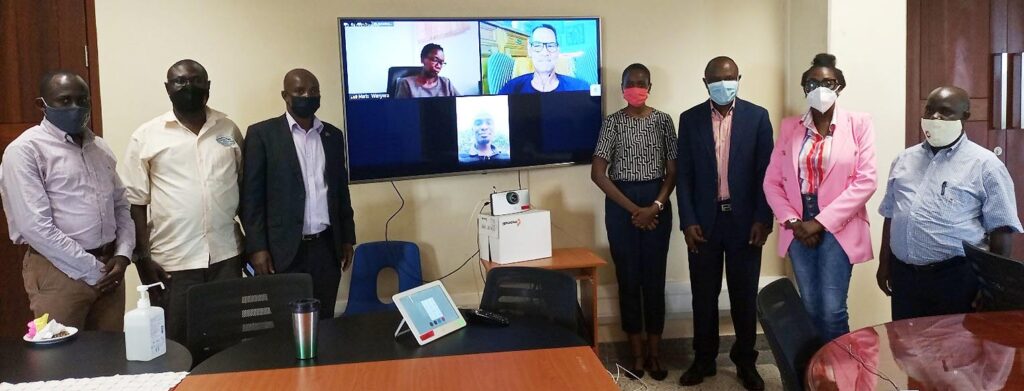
[635, 166]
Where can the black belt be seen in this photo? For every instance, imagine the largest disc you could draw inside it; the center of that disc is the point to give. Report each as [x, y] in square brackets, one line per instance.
[725, 205]
[105, 250]
[937, 266]
[318, 235]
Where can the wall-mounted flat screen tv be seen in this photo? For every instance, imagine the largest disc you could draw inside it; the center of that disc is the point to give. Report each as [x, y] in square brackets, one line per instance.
[430, 97]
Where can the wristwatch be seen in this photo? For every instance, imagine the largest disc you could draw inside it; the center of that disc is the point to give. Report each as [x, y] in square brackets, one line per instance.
[789, 223]
[660, 205]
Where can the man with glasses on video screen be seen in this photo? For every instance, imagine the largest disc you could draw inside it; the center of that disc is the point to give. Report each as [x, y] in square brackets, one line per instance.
[544, 54]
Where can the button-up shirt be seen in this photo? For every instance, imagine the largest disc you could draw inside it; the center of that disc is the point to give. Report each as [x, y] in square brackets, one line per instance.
[936, 201]
[190, 183]
[63, 199]
[722, 128]
[310, 150]
[814, 155]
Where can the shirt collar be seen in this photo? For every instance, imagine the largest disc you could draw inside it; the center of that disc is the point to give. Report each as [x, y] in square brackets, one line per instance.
[949, 150]
[294, 125]
[715, 113]
[812, 129]
[212, 116]
[52, 130]
[474, 152]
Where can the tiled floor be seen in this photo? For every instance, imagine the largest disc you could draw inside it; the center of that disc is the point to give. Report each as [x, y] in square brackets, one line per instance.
[676, 356]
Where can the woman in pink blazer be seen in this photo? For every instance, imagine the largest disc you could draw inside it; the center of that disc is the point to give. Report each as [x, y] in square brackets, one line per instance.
[821, 175]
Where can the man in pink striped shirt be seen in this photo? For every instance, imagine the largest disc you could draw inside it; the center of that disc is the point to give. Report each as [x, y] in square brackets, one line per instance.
[63, 199]
[725, 145]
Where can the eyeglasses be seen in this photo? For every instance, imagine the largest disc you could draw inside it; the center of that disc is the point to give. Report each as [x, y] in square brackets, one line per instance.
[812, 84]
[436, 60]
[181, 81]
[550, 46]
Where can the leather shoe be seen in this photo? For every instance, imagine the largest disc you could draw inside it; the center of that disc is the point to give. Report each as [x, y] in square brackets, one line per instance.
[696, 374]
[749, 377]
[653, 366]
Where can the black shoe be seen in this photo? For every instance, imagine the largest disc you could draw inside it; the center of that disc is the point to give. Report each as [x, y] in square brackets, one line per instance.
[657, 371]
[696, 374]
[749, 377]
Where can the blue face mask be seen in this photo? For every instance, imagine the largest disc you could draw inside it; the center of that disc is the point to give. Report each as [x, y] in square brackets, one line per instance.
[723, 92]
[71, 120]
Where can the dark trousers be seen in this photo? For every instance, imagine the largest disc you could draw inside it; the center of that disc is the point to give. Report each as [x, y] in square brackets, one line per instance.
[318, 258]
[947, 287]
[175, 294]
[640, 257]
[728, 244]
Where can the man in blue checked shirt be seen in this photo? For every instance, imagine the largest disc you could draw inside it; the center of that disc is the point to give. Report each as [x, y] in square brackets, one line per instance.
[941, 193]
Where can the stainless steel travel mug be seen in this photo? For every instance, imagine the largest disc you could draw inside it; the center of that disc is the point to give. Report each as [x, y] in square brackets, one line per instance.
[305, 316]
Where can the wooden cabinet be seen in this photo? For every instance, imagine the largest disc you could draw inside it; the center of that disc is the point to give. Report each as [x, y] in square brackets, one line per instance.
[976, 45]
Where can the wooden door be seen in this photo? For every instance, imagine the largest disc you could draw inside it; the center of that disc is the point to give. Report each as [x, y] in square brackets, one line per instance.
[36, 36]
[1008, 42]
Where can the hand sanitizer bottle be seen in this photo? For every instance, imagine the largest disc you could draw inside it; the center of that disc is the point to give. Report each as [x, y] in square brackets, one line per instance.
[144, 335]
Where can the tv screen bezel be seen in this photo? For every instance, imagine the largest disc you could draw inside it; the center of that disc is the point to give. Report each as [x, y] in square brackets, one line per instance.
[344, 83]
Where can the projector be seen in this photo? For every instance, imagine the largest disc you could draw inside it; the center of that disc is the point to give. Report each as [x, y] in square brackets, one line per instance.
[509, 202]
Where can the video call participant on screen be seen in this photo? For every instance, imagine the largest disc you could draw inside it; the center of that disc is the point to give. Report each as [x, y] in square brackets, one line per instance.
[635, 166]
[544, 53]
[483, 148]
[428, 83]
[298, 219]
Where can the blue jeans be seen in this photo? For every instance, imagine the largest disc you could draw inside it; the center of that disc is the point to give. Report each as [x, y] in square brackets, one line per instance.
[823, 276]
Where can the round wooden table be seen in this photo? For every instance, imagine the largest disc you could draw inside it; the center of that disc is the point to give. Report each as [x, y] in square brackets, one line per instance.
[87, 354]
[978, 351]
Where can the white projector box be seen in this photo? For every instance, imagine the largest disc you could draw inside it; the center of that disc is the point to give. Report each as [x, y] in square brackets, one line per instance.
[516, 237]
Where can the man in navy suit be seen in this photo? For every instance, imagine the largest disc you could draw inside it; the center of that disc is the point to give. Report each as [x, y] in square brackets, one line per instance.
[725, 144]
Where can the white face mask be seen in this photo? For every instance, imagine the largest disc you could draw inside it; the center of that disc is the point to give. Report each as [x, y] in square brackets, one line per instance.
[940, 133]
[822, 99]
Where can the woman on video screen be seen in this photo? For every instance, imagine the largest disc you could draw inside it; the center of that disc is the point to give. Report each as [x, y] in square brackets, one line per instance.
[427, 83]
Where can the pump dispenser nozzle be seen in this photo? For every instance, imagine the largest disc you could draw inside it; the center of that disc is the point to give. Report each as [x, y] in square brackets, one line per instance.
[144, 294]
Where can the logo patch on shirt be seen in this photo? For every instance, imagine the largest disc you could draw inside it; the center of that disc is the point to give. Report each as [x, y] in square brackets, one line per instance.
[225, 141]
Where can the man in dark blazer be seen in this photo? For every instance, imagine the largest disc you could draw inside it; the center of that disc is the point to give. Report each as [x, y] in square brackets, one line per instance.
[296, 208]
[725, 144]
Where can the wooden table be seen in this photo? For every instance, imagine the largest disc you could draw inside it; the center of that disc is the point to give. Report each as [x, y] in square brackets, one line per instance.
[582, 264]
[573, 368]
[87, 354]
[979, 351]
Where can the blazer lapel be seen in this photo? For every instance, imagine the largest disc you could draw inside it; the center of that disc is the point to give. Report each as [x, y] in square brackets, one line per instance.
[797, 143]
[738, 134]
[292, 155]
[842, 137]
[707, 135]
[328, 141]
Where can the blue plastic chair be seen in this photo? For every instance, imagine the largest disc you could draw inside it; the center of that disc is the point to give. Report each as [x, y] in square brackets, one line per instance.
[370, 259]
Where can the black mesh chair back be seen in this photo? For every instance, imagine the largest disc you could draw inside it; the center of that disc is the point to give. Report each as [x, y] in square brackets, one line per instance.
[395, 73]
[790, 331]
[223, 313]
[1001, 280]
[533, 292]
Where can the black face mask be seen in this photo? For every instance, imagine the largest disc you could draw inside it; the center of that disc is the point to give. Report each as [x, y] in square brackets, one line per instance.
[305, 106]
[189, 99]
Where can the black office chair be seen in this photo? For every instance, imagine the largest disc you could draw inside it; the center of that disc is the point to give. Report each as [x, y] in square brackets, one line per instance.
[1001, 280]
[534, 292]
[790, 331]
[223, 313]
[395, 73]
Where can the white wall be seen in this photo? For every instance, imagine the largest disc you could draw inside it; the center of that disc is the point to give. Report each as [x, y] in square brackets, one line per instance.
[869, 39]
[247, 46]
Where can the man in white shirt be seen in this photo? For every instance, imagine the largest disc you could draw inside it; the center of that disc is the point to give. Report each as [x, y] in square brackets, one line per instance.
[182, 171]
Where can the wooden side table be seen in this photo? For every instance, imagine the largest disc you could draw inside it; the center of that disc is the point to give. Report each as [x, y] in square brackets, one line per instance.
[582, 264]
